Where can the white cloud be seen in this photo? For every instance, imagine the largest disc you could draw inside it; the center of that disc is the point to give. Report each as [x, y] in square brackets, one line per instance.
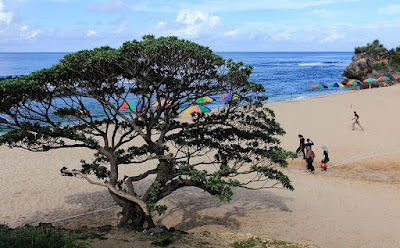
[90, 33]
[392, 9]
[122, 28]
[5, 17]
[332, 37]
[27, 33]
[283, 35]
[189, 24]
[232, 32]
[318, 12]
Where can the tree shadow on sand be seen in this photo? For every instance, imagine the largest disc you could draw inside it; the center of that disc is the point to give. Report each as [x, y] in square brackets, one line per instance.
[77, 204]
[195, 208]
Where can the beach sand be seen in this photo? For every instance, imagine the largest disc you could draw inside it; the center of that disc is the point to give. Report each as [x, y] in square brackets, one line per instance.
[355, 204]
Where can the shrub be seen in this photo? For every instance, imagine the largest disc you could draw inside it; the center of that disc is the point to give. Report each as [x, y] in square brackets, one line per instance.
[369, 47]
[378, 66]
[37, 237]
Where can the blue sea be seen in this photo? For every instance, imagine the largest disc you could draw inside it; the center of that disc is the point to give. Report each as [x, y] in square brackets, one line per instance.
[275, 70]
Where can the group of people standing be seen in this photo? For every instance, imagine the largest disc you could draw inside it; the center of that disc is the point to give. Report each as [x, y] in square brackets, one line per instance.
[309, 155]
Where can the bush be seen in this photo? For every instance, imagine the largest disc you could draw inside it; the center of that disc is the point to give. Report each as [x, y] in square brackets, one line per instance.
[37, 237]
[378, 66]
[369, 47]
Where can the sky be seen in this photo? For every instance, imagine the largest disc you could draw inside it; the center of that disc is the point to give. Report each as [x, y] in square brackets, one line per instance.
[222, 25]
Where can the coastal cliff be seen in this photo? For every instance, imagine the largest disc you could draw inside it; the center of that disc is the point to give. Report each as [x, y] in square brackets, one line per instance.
[373, 61]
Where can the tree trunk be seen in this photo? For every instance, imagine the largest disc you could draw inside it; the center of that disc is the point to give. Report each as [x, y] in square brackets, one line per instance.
[133, 216]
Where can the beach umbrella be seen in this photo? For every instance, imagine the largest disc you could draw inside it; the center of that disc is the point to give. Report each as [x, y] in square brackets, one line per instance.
[230, 97]
[205, 99]
[163, 102]
[290, 90]
[128, 105]
[369, 80]
[197, 109]
[4, 120]
[354, 83]
[383, 78]
[398, 77]
[319, 86]
[336, 85]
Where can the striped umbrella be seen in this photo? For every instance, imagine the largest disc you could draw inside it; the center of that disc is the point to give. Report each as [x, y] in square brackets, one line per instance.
[384, 78]
[398, 77]
[319, 86]
[336, 85]
[230, 97]
[163, 102]
[4, 120]
[196, 109]
[369, 80]
[354, 82]
[205, 99]
[129, 105]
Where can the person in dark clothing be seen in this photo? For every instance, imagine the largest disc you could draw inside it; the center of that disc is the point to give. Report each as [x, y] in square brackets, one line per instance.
[325, 158]
[309, 143]
[355, 118]
[301, 146]
[310, 159]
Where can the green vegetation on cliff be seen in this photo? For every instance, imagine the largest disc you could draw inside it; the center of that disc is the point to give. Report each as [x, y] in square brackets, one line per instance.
[369, 47]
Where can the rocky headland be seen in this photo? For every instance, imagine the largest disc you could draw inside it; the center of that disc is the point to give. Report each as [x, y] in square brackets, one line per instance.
[374, 61]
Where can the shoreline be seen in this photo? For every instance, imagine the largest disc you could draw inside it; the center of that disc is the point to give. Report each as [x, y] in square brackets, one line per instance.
[322, 208]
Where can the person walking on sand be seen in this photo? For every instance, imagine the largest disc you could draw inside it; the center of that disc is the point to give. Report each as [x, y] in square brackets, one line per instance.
[355, 118]
[309, 159]
[301, 146]
[309, 143]
[325, 158]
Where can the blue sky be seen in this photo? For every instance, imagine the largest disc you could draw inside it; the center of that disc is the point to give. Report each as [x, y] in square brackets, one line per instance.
[223, 25]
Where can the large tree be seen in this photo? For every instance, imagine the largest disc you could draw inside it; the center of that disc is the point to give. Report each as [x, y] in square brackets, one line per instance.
[76, 103]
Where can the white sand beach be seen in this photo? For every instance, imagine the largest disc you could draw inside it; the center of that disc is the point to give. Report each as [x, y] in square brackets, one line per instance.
[355, 204]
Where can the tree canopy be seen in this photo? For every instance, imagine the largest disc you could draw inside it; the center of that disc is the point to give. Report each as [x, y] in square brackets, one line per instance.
[76, 103]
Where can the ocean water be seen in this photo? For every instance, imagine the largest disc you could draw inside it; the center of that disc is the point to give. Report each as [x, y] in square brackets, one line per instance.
[275, 70]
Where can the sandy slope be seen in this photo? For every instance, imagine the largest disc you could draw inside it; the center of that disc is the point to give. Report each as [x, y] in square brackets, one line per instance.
[352, 205]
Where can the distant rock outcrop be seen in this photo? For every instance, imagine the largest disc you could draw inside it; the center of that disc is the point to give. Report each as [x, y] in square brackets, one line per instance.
[374, 61]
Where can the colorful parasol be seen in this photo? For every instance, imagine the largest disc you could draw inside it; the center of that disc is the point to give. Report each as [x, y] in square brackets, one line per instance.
[163, 102]
[319, 86]
[354, 82]
[196, 109]
[383, 78]
[4, 120]
[336, 85]
[205, 99]
[229, 97]
[398, 77]
[369, 80]
[129, 105]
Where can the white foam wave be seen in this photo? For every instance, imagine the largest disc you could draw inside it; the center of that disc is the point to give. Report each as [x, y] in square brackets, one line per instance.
[311, 64]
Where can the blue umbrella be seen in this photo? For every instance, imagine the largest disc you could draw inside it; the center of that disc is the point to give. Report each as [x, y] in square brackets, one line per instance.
[290, 90]
[4, 120]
